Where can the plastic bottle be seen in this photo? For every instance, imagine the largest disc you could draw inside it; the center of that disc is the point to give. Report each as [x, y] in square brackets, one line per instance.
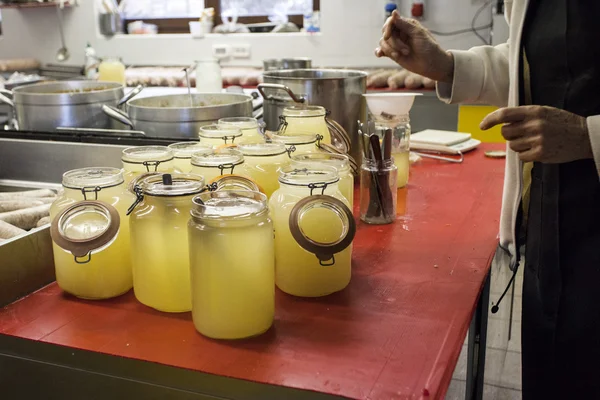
[91, 62]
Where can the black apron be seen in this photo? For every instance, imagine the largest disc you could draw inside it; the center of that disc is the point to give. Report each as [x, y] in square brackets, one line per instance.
[561, 290]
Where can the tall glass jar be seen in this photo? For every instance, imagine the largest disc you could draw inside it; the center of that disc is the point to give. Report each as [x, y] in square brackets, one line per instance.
[401, 131]
[217, 163]
[248, 126]
[108, 273]
[378, 191]
[159, 241]
[299, 144]
[262, 163]
[142, 159]
[338, 161]
[314, 229]
[219, 135]
[301, 119]
[232, 264]
[112, 69]
[208, 76]
[182, 153]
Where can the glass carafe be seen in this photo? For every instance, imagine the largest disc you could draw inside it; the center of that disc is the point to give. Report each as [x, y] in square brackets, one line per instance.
[108, 273]
[232, 264]
[314, 229]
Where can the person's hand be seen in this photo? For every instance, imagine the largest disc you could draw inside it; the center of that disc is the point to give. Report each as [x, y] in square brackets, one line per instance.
[543, 134]
[408, 43]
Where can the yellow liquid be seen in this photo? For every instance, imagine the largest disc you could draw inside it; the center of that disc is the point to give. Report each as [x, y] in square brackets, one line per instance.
[264, 170]
[302, 125]
[131, 171]
[111, 71]
[346, 185]
[297, 271]
[402, 161]
[108, 274]
[251, 135]
[159, 253]
[211, 173]
[233, 279]
[182, 165]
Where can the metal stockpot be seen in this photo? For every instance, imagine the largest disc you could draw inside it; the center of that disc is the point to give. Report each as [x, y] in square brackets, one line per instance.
[172, 116]
[76, 104]
[339, 91]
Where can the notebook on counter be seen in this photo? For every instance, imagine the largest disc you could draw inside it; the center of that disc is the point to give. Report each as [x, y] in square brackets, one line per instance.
[443, 141]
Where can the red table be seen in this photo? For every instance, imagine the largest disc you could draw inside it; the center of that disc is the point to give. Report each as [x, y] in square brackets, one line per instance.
[395, 333]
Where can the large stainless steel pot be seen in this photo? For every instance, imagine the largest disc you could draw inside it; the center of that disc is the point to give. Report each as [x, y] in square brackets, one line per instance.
[47, 106]
[339, 91]
[172, 116]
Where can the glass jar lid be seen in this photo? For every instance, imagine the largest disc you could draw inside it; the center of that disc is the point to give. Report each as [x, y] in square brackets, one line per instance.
[312, 175]
[85, 227]
[216, 159]
[338, 161]
[96, 177]
[144, 154]
[297, 139]
[304, 111]
[262, 149]
[186, 149]
[235, 182]
[240, 122]
[229, 204]
[226, 132]
[168, 185]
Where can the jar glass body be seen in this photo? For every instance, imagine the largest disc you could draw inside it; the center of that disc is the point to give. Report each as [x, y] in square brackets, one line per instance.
[137, 161]
[264, 169]
[159, 252]
[301, 119]
[378, 192]
[401, 131]
[233, 276]
[297, 271]
[112, 70]
[249, 127]
[108, 273]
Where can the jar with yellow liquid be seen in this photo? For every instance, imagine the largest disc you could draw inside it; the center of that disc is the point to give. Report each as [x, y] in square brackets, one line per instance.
[338, 161]
[232, 264]
[248, 125]
[217, 163]
[299, 144]
[159, 241]
[143, 159]
[182, 155]
[112, 69]
[300, 119]
[219, 135]
[100, 271]
[262, 163]
[314, 230]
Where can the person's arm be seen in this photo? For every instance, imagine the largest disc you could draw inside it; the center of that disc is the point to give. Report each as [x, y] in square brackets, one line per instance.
[593, 125]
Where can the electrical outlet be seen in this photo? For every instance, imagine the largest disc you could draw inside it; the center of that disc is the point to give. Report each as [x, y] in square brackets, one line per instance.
[221, 50]
[241, 50]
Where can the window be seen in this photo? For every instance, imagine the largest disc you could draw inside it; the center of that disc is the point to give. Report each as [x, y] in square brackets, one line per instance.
[172, 16]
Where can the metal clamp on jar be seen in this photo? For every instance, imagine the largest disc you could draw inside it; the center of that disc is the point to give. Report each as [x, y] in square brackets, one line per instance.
[300, 143]
[248, 125]
[314, 229]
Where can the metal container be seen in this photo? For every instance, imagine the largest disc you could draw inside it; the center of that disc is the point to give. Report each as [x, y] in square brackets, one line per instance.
[274, 64]
[110, 24]
[172, 116]
[339, 91]
[46, 106]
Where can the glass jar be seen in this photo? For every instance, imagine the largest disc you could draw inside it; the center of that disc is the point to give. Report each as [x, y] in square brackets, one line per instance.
[108, 273]
[138, 160]
[314, 229]
[182, 155]
[208, 76]
[232, 264]
[338, 161]
[299, 144]
[262, 163]
[378, 191]
[297, 120]
[236, 183]
[112, 69]
[401, 131]
[219, 135]
[159, 241]
[248, 126]
[218, 163]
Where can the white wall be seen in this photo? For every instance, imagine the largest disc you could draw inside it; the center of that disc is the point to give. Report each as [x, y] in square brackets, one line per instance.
[350, 33]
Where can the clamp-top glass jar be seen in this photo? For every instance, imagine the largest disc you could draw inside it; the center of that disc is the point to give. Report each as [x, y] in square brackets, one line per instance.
[314, 230]
[248, 126]
[159, 242]
[300, 143]
[138, 160]
[262, 163]
[217, 163]
[232, 264]
[219, 135]
[182, 153]
[95, 274]
[300, 119]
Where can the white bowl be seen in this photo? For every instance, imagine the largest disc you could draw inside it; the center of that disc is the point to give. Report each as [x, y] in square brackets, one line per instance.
[390, 103]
